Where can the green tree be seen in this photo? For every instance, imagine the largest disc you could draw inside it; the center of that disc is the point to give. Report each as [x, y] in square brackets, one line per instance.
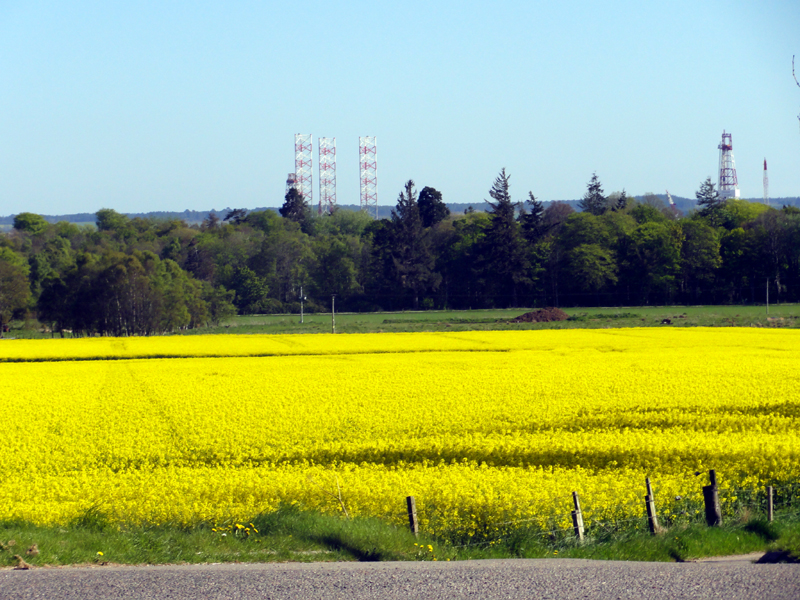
[108, 219]
[180, 297]
[219, 303]
[282, 261]
[771, 235]
[506, 266]
[30, 223]
[236, 216]
[531, 218]
[652, 259]
[700, 258]
[593, 201]
[621, 201]
[583, 255]
[647, 213]
[742, 211]
[251, 291]
[431, 207]
[412, 260]
[591, 268]
[584, 228]
[459, 258]
[333, 269]
[15, 291]
[343, 222]
[710, 205]
[295, 207]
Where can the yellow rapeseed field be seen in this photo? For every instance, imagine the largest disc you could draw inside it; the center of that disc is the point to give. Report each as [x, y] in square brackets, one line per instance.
[482, 428]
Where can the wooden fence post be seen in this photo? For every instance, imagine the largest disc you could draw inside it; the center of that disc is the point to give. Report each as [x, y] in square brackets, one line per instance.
[711, 500]
[412, 515]
[650, 504]
[769, 503]
[577, 517]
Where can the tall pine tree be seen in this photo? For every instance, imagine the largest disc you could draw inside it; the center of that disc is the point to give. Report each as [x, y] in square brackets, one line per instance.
[593, 200]
[531, 217]
[505, 261]
[709, 204]
[412, 258]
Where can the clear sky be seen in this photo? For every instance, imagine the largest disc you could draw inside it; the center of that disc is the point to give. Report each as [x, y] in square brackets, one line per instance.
[169, 105]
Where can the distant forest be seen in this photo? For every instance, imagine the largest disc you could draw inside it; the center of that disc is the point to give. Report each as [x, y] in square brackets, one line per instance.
[160, 272]
[685, 205]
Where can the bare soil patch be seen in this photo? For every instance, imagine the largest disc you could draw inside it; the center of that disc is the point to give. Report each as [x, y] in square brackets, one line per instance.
[543, 315]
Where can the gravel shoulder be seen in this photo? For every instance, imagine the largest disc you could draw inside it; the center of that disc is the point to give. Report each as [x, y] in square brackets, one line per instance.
[489, 579]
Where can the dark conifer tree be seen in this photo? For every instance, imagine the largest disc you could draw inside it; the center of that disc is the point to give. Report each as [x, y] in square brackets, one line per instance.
[531, 218]
[295, 208]
[505, 262]
[709, 204]
[412, 258]
[622, 201]
[593, 200]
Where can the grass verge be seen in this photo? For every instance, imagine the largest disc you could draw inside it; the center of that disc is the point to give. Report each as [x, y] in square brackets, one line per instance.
[778, 316]
[295, 535]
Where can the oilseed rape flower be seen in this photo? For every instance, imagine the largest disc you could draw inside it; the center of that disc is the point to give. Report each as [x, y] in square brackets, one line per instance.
[482, 428]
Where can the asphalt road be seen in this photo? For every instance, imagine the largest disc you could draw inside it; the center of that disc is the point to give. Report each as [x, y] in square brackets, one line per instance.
[486, 579]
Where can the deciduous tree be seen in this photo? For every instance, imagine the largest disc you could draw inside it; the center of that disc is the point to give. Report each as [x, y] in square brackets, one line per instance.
[432, 209]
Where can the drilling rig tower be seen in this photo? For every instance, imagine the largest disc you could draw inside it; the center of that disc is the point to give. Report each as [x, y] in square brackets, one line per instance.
[728, 183]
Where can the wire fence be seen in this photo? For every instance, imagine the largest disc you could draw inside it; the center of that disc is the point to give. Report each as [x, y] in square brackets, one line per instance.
[569, 517]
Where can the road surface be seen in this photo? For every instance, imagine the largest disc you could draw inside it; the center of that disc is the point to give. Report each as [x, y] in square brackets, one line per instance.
[486, 579]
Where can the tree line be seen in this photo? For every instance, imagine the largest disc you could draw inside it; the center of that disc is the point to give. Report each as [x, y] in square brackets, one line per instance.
[145, 275]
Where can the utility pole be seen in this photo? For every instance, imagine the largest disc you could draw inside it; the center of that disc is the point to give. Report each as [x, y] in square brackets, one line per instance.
[301, 303]
[333, 313]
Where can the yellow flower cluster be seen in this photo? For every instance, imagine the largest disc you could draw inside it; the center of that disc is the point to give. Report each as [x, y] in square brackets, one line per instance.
[483, 428]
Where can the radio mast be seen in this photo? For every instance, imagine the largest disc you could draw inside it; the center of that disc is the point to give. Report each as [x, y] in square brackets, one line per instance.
[766, 184]
[327, 175]
[368, 166]
[303, 148]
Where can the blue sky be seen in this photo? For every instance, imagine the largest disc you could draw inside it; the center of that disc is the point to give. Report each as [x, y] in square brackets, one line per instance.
[142, 106]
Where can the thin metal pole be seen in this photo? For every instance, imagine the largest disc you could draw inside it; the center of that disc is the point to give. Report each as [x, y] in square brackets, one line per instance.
[767, 295]
[333, 313]
[301, 303]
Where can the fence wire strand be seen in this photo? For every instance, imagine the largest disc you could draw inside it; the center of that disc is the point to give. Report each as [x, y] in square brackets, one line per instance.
[671, 510]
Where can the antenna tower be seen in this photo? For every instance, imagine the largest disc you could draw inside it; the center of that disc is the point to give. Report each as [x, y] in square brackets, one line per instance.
[766, 184]
[303, 148]
[327, 175]
[728, 184]
[368, 164]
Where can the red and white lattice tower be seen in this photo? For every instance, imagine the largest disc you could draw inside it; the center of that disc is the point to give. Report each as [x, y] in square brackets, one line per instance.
[766, 184]
[327, 175]
[368, 166]
[728, 184]
[303, 149]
